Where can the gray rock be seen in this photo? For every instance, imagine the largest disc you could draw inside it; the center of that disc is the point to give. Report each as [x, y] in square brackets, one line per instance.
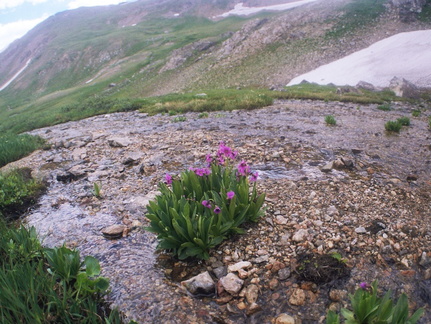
[404, 88]
[117, 141]
[78, 171]
[220, 272]
[281, 220]
[231, 283]
[365, 85]
[360, 230]
[200, 285]
[262, 258]
[327, 167]
[284, 273]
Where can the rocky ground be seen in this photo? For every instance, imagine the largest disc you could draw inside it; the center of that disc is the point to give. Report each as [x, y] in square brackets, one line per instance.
[350, 189]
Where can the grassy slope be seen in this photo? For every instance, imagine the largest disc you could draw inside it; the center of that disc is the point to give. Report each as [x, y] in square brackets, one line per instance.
[152, 40]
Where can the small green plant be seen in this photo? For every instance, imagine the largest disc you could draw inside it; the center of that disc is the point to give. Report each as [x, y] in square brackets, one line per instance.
[384, 107]
[205, 206]
[203, 115]
[404, 121]
[393, 126]
[368, 308]
[49, 285]
[179, 119]
[337, 256]
[330, 120]
[172, 113]
[416, 113]
[97, 190]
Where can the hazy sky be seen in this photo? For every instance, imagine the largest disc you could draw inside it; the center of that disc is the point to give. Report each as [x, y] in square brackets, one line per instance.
[17, 17]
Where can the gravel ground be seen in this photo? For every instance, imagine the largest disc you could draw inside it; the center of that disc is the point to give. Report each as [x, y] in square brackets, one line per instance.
[370, 204]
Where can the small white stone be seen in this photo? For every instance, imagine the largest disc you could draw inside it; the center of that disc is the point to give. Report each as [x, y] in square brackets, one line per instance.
[239, 266]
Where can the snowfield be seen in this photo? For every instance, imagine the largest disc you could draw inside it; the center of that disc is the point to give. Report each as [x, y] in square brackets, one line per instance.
[405, 55]
[240, 10]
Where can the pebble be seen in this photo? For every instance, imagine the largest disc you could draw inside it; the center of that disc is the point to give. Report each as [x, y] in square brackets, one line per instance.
[231, 283]
[239, 266]
[114, 231]
[201, 284]
[298, 297]
[360, 230]
[252, 293]
[300, 235]
[284, 273]
[284, 319]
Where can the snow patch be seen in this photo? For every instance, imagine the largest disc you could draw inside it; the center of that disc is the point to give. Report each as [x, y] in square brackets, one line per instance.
[405, 55]
[15, 76]
[240, 10]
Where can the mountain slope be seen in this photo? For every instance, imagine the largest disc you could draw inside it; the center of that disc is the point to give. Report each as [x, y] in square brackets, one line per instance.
[150, 48]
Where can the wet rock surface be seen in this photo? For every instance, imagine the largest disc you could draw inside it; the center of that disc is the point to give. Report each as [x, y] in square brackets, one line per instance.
[374, 214]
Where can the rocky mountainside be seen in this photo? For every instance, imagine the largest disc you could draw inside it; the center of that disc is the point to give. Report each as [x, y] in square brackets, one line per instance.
[150, 48]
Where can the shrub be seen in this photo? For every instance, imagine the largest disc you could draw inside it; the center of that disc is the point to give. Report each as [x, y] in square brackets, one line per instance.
[416, 113]
[393, 126]
[367, 307]
[203, 115]
[404, 121]
[15, 147]
[384, 107]
[330, 120]
[179, 119]
[17, 190]
[202, 207]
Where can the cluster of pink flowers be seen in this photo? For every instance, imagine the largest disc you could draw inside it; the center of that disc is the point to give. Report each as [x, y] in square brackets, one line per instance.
[201, 171]
[207, 204]
[224, 154]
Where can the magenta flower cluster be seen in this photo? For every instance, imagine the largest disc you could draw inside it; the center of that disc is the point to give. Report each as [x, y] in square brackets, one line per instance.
[364, 286]
[224, 154]
[207, 204]
[201, 171]
[168, 179]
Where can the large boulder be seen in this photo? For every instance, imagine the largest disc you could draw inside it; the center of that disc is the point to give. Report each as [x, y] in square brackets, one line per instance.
[404, 88]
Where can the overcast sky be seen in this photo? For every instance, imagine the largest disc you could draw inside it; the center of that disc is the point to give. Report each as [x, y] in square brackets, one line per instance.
[17, 17]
